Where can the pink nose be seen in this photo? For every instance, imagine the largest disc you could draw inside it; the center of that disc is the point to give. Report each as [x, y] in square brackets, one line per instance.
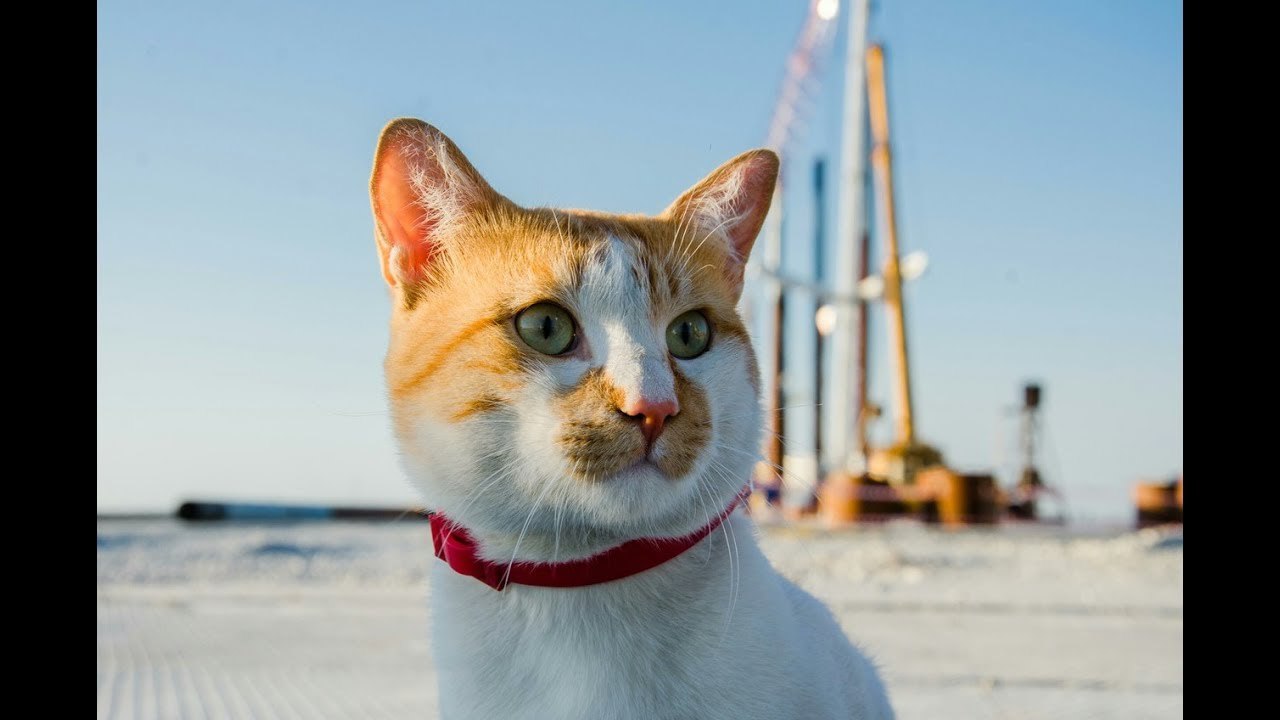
[653, 414]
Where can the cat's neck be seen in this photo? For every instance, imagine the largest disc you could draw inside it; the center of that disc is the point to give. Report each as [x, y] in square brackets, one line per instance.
[557, 541]
[711, 562]
[454, 544]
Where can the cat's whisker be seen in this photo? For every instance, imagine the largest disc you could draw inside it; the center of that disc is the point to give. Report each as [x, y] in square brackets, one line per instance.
[532, 509]
[786, 474]
[406, 513]
[729, 554]
[702, 499]
[735, 575]
[556, 218]
[774, 433]
[676, 239]
[796, 407]
[735, 561]
[760, 458]
[684, 241]
[684, 268]
[498, 476]
[717, 470]
[555, 552]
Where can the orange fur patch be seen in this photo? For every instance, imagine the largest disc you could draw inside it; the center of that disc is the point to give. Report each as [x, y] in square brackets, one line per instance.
[596, 438]
[599, 440]
[686, 434]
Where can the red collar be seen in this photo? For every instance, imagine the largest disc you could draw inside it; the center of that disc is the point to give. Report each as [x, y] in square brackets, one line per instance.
[454, 545]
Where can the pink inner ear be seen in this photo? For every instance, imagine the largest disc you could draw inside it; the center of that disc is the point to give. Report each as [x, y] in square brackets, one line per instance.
[404, 221]
[759, 173]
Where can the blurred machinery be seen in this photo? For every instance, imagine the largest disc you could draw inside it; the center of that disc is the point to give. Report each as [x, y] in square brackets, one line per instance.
[907, 476]
[1158, 503]
[1022, 501]
[910, 476]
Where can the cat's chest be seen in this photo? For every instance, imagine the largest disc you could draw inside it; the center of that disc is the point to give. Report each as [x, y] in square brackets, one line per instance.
[575, 654]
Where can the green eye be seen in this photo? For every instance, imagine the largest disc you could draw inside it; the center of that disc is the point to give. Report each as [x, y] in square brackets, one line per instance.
[546, 328]
[689, 335]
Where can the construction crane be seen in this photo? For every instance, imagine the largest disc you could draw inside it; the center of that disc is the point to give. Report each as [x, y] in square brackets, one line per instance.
[908, 476]
[901, 461]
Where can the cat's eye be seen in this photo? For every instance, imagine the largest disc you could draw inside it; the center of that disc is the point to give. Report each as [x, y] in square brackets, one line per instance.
[689, 335]
[547, 328]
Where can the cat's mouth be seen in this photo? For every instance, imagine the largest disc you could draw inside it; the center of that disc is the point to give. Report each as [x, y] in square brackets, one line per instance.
[643, 467]
[649, 465]
[644, 463]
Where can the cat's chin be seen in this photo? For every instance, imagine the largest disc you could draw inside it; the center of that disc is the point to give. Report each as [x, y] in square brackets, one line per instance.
[643, 499]
[644, 468]
[645, 481]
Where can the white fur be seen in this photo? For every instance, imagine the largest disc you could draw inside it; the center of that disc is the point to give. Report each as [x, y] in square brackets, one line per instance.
[445, 192]
[714, 633]
[721, 206]
[634, 355]
[720, 209]
[661, 644]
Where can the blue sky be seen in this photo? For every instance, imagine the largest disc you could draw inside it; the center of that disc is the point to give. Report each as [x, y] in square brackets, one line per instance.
[242, 319]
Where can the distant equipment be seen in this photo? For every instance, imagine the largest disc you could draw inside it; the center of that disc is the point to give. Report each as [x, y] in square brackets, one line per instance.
[906, 477]
[1158, 503]
[1022, 501]
[909, 476]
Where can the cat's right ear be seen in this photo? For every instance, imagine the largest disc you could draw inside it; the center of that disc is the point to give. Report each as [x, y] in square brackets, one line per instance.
[422, 185]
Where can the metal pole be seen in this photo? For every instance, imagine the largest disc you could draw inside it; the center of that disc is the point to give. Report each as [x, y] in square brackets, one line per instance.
[819, 256]
[851, 219]
[769, 472]
[881, 161]
[776, 449]
[860, 410]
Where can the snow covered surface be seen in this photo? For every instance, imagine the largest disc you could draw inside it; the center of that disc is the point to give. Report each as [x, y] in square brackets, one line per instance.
[329, 620]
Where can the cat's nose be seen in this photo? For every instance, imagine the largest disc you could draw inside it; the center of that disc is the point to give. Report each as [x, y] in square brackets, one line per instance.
[652, 414]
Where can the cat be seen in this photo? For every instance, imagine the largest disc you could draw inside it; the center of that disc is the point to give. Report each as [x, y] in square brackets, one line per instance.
[567, 387]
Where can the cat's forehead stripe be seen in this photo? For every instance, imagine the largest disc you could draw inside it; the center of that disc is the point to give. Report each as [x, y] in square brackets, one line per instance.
[667, 256]
[656, 265]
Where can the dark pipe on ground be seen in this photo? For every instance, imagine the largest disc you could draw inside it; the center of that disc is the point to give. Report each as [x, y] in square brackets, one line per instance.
[207, 511]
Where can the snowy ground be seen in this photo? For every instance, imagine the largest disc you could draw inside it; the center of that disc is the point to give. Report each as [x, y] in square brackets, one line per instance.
[328, 620]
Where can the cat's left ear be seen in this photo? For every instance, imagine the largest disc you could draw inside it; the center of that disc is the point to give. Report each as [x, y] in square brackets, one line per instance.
[422, 188]
[731, 203]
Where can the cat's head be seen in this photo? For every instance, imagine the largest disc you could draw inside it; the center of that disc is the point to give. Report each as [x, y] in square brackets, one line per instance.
[564, 369]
